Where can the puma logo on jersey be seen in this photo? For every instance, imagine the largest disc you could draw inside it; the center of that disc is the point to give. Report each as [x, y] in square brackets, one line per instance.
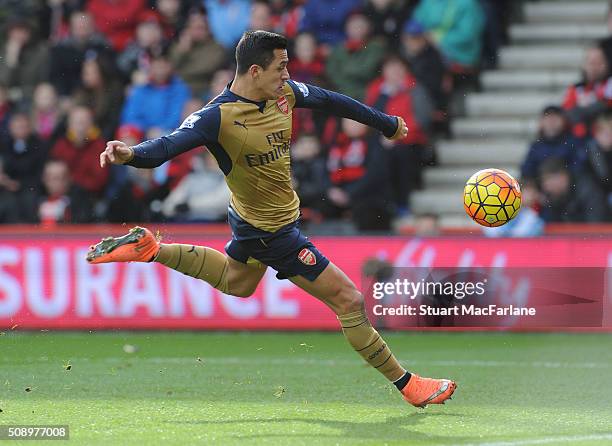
[241, 124]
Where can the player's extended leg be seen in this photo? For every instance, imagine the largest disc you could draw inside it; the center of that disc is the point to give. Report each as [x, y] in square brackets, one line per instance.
[210, 265]
[338, 292]
[219, 270]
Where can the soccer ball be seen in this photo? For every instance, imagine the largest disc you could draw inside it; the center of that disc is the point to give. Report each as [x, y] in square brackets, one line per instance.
[492, 197]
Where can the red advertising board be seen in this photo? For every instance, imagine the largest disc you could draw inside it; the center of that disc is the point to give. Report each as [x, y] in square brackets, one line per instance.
[46, 283]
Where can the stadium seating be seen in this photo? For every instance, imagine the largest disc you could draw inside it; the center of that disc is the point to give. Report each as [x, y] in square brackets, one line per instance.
[543, 58]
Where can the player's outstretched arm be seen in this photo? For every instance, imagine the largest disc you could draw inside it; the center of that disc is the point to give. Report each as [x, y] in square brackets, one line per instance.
[116, 152]
[310, 96]
[198, 129]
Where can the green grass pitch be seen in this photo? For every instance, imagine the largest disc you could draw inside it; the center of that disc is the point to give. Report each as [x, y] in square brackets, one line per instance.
[306, 388]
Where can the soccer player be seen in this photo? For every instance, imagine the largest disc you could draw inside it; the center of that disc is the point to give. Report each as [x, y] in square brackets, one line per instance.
[248, 130]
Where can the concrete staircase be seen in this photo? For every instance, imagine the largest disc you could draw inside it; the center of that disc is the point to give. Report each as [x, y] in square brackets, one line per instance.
[544, 57]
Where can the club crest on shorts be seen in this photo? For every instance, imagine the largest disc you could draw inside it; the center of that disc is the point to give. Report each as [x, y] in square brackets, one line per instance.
[307, 257]
[283, 105]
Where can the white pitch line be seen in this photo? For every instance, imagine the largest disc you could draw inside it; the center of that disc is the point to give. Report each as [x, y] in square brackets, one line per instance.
[546, 440]
[233, 360]
[328, 362]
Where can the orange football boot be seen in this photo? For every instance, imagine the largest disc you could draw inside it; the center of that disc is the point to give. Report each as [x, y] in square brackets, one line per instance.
[423, 391]
[138, 245]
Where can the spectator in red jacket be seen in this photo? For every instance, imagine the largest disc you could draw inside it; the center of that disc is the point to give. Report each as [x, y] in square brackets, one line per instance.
[585, 100]
[307, 66]
[396, 92]
[80, 148]
[286, 16]
[117, 19]
[359, 185]
[63, 202]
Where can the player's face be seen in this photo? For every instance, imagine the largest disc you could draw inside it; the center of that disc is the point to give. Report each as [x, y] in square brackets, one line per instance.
[272, 79]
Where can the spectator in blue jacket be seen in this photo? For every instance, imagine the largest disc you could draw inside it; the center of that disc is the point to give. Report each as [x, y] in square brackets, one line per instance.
[326, 19]
[456, 26]
[228, 19]
[555, 140]
[155, 107]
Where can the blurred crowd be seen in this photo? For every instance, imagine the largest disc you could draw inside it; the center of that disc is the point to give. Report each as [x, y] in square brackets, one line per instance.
[566, 174]
[77, 73]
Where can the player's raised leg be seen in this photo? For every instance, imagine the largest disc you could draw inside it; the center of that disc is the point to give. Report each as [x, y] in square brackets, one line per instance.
[336, 290]
[220, 271]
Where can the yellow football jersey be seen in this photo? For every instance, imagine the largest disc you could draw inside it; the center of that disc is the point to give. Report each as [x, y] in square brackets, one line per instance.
[251, 143]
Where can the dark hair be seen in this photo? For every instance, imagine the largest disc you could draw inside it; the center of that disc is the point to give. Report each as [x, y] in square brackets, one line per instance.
[554, 109]
[257, 48]
[553, 166]
[197, 9]
[393, 56]
[105, 63]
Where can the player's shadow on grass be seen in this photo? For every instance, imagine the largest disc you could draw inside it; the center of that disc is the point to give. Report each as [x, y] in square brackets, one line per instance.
[393, 428]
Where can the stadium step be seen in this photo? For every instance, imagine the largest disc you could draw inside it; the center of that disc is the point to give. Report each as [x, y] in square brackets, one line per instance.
[574, 11]
[480, 153]
[456, 176]
[438, 201]
[446, 221]
[541, 56]
[555, 32]
[459, 221]
[540, 80]
[494, 128]
[510, 103]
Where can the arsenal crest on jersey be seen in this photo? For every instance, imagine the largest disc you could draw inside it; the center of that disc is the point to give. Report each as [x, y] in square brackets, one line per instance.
[283, 104]
[307, 257]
